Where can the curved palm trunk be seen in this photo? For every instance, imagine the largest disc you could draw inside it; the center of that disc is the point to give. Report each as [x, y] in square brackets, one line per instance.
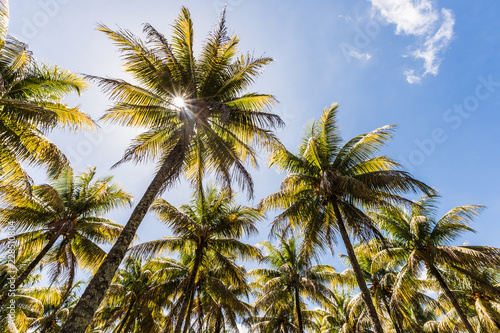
[218, 322]
[297, 308]
[451, 297]
[32, 265]
[82, 314]
[190, 288]
[188, 313]
[365, 293]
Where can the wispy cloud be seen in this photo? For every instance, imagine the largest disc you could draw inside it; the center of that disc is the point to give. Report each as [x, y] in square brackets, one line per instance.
[345, 17]
[360, 55]
[421, 19]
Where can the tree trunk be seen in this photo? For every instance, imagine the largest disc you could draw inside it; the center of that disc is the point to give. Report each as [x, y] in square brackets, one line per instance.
[27, 271]
[200, 315]
[297, 307]
[395, 322]
[451, 297]
[82, 314]
[218, 322]
[190, 289]
[365, 293]
[187, 322]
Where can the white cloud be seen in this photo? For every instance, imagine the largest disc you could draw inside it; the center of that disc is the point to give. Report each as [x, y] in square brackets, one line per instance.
[421, 19]
[345, 17]
[360, 56]
[411, 77]
[435, 43]
[411, 17]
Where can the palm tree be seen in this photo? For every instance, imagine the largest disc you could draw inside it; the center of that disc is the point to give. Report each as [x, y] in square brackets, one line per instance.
[70, 209]
[280, 319]
[197, 116]
[393, 292]
[31, 104]
[339, 315]
[137, 295]
[419, 240]
[57, 303]
[28, 305]
[485, 296]
[17, 316]
[290, 276]
[329, 184]
[478, 293]
[219, 304]
[206, 234]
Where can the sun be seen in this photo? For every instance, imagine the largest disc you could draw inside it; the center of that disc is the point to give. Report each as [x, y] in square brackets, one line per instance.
[179, 102]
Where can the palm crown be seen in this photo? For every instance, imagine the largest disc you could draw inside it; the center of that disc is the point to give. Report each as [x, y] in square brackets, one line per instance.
[420, 240]
[195, 110]
[137, 295]
[31, 104]
[290, 279]
[207, 235]
[70, 209]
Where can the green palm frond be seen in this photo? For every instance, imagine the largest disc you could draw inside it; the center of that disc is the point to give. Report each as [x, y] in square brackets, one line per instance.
[221, 124]
[64, 220]
[31, 100]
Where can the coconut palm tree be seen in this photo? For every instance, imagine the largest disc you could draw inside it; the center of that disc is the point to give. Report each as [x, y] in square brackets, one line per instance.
[198, 117]
[339, 315]
[218, 305]
[280, 319]
[420, 240]
[57, 304]
[63, 223]
[137, 295]
[291, 277]
[18, 315]
[478, 293]
[27, 306]
[31, 104]
[393, 292]
[38, 308]
[206, 234]
[329, 184]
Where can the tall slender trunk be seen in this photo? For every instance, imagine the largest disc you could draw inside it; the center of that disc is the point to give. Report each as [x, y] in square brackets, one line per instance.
[218, 322]
[187, 322]
[27, 271]
[200, 315]
[82, 314]
[365, 293]
[451, 297]
[190, 288]
[397, 327]
[297, 308]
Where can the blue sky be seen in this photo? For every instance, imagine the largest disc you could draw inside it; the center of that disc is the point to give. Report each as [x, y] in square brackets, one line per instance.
[429, 66]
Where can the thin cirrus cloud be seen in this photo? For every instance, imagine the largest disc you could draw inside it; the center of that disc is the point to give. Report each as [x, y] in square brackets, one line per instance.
[420, 18]
[365, 56]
